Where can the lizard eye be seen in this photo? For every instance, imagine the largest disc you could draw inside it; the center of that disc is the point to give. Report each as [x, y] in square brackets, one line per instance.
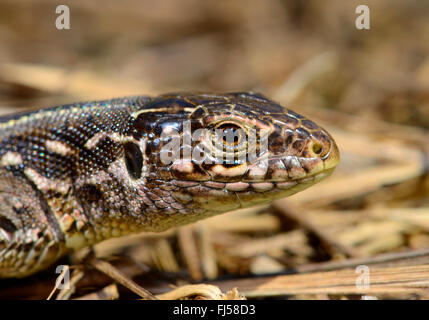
[230, 137]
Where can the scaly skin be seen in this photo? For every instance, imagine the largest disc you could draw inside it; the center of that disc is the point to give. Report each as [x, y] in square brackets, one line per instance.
[74, 175]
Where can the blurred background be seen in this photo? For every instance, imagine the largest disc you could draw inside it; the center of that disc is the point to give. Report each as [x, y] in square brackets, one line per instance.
[369, 88]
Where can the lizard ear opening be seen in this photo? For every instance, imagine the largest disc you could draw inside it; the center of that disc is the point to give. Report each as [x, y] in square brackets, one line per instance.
[133, 159]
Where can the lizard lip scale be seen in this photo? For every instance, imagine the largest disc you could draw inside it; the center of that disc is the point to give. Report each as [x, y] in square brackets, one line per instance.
[75, 175]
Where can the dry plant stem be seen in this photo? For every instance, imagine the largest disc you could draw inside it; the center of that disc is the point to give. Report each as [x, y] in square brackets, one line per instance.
[107, 293]
[258, 223]
[66, 293]
[357, 184]
[58, 280]
[398, 280]
[286, 210]
[209, 291]
[163, 256]
[112, 246]
[115, 274]
[201, 292]
[208, 255]
[190, 252]
[294, 241]
[415, 257]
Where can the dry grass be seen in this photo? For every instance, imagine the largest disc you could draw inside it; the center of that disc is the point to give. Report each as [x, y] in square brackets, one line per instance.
[370, 89]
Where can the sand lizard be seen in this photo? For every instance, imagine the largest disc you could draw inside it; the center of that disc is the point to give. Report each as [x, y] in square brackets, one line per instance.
[74, 175]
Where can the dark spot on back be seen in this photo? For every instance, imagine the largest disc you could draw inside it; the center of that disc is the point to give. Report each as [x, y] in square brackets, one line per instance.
[133, 159]
[90, 192]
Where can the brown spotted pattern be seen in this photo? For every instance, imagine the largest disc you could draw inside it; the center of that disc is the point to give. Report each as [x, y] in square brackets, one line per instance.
[75, 175]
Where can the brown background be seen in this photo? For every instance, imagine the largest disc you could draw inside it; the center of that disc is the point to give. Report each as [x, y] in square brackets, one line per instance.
[369, 88]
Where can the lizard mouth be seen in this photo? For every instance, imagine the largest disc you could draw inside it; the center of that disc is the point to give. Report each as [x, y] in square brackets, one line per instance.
[265, 186]
[279, 172]
[219, 196]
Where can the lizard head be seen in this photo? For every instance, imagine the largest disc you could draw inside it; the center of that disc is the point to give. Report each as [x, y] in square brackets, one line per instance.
[205, 154]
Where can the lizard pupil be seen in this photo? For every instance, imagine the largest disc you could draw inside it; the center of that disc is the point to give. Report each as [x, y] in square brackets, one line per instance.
[231, 134]
[133, 159]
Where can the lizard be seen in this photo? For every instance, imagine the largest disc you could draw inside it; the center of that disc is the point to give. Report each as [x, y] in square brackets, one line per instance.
[77, 174]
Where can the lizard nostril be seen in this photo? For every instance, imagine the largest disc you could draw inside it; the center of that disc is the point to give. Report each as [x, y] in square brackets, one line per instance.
[317, 148]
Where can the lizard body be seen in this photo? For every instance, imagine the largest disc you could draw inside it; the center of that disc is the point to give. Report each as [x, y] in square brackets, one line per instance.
[74, 175]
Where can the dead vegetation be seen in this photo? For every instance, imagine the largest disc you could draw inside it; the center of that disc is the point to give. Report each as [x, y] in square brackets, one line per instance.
[369, 89]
